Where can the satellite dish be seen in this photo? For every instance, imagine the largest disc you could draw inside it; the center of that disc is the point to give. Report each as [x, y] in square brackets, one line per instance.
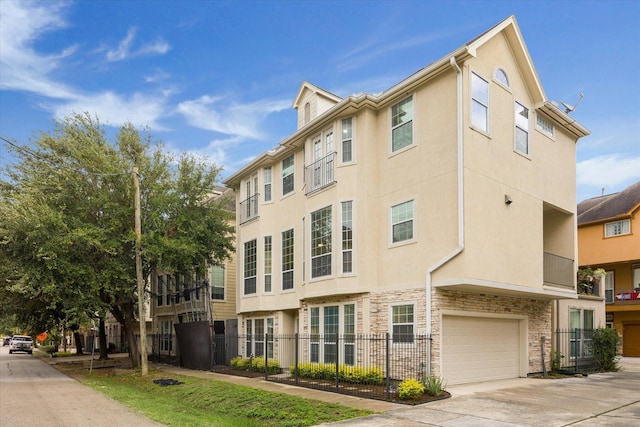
[569, 108]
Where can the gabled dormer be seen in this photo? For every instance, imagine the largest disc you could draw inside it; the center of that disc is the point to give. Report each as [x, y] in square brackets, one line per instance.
[312, 101]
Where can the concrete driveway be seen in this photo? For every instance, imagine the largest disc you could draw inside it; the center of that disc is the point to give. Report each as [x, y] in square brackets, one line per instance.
[610, 399]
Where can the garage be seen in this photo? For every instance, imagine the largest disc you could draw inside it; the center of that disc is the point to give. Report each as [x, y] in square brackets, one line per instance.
[480, 349]
[631, 340]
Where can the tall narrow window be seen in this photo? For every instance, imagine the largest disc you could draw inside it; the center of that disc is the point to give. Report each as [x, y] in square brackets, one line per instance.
[166, 335]
[347, 140]
[331, 324]
[609, 287]
[259, 338]
[349, 334]
[267, 183]
[307, 113]
[250, 264]
[328, 159]
[522, 128]
[178, 288]
[321, 231]
[314, 338]
[402, 222]
[168, 299]
[268, 259]
[287, 259]
[216, 278]
[347, 237]
[402, 124]
[287, 175]
[160, 287]
[249, 338]
[480, 102]
[270, 337]
[402, 318]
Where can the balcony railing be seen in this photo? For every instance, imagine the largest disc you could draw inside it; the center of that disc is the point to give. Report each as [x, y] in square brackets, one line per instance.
[320, 173]
[558, 270]
[627, 296]
[249, 208]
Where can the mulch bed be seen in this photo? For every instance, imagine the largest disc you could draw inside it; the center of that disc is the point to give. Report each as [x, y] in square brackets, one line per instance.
[367, 391]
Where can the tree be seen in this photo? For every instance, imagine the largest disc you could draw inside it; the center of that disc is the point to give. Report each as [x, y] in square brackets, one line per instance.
[67, 223]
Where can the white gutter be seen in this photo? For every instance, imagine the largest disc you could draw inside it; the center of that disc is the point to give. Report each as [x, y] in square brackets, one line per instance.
[460, 247]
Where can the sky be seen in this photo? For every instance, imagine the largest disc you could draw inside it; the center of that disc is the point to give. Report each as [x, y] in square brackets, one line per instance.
[218, 78]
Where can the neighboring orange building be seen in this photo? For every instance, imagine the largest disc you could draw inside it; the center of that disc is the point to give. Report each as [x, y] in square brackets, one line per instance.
[609, 238]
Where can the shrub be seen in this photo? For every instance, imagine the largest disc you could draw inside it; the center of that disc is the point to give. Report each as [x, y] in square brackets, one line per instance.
[346, 373]
[410, 388]
[604, 344]
[556, 361]
[434, 385]
[255, 364]
[111, 348]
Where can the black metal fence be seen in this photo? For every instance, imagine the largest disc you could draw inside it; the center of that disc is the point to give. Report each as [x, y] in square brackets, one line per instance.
[573, 351]
[369, 366]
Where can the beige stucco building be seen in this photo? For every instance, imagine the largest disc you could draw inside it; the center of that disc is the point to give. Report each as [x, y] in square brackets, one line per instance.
[444, 206]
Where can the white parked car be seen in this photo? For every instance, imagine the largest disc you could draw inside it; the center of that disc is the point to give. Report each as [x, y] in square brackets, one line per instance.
[21, 343]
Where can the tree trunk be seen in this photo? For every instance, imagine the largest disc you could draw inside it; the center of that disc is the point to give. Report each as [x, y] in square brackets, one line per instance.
[134, 354]
[78, 340]
[103, 340]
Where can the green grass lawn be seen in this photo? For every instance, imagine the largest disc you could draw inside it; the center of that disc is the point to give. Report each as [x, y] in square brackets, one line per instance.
[200, 402]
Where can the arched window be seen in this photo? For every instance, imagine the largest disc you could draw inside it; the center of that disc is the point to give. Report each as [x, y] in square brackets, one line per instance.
[501, 76]
[307, 112]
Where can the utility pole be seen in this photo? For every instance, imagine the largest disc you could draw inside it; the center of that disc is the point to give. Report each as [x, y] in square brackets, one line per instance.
[140, 280]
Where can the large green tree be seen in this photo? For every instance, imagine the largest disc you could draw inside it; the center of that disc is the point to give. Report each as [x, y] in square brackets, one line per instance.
[67, 237]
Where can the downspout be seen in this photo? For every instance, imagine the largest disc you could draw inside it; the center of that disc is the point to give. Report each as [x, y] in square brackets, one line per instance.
[460, 247]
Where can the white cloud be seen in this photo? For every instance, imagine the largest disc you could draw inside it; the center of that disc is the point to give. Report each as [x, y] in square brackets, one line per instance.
[608, 172]
[113, 109]
[124, 49]
[21, 24]
[157, 76]
[242, 120]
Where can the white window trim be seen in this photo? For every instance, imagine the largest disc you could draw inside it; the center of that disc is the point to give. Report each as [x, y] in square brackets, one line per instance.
[285, 195]
[331, 254]
[526, 155]
[413, 127]
[622, 221]
[342, 139]
[280, 263]
[613, 286]
[224, 285]
[414, 239]
[265, 183]
[353, 271]
[552, 135]
[488, 118]
[495, 79]
[415, 322]
[264, 262]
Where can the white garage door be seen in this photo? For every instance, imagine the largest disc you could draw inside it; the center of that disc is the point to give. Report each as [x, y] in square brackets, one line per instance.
[479, 349]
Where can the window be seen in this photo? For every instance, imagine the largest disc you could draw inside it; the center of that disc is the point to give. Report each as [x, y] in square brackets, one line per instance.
[178, 289]
[258, 346]
[544, 126]
[479, 103]
[617, 228]
[321, 242]
[636, 278]
[402, 124]
[287, 175]
[331, 325]
[522, 129]
[331, 320]
[402, 322]
[249, 337]
[347, 140]
[314, 339]
[270, 338]
[609, 286]
[257, 329]
[581, 329]
[186, 283]
[160, 287]
[402, 222]
[216, 277]
[347, 237]
[349, 334]
[307, 112]
[501, 76]
[268, 255]
[168, 298]
[267, 183]
[287, 259]
[166, 335]
[250, 267]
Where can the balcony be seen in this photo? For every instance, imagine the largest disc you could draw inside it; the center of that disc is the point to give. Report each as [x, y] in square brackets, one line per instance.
[320, 174]
[249, 209]
[627, 296]
[558, 271]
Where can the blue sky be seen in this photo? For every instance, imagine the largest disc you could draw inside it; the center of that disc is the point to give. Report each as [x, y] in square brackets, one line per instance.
[219, 77]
